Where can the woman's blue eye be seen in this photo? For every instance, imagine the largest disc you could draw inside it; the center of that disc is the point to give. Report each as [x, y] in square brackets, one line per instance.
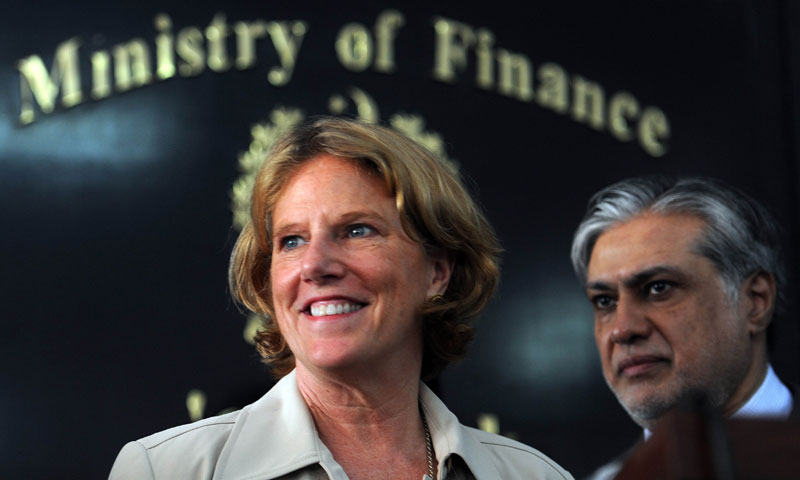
[291, 242]
[355, 231]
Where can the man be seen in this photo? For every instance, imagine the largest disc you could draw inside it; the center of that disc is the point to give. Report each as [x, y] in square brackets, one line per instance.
[683, 276]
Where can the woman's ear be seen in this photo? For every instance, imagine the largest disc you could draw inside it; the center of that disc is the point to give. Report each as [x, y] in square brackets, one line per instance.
[759, 293]
[442, 265]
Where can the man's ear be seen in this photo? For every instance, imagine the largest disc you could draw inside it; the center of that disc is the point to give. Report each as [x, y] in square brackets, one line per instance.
[759, 293]
[442, 268]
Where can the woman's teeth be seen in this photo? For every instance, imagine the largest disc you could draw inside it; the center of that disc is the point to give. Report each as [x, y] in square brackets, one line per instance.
[333, 309]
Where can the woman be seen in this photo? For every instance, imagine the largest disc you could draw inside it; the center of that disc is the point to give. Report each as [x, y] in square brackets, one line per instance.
[369, 260]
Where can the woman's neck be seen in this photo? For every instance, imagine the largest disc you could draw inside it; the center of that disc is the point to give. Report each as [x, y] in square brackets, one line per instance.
[374, 399]
[368, 425]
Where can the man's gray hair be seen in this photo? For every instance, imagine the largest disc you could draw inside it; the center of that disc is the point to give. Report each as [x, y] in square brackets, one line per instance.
[740, 236]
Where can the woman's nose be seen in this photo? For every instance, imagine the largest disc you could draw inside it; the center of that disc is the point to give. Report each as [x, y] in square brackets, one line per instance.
[322, 261]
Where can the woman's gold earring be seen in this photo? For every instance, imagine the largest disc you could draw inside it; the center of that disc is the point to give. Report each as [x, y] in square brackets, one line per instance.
[438, 298]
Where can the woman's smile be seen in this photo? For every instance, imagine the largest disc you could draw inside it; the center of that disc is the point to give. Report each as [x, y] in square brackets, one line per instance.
[327, 309]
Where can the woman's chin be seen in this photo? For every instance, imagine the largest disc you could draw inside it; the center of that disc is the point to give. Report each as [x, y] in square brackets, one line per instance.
[360, 357]
[335, 358]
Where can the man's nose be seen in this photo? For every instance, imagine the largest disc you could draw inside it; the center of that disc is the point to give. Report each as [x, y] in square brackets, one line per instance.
[322, 261]
[631, 322]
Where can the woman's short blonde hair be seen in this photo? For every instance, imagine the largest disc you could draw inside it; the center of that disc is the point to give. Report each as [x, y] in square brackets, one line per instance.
[435, 209]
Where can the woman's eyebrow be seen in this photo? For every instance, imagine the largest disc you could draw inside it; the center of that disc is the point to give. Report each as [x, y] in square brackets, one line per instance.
[284, 229]
[363, 216]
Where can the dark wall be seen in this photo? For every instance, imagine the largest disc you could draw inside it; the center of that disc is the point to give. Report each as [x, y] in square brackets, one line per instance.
[117, 226]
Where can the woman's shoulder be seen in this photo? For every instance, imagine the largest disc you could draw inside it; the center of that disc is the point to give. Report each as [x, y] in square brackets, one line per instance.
[185, 451]
[205, 429]
[514, 459]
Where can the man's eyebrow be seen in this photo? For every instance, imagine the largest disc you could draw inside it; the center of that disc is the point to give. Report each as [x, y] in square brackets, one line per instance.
[636, 279]
[598, 286]
[641, 277]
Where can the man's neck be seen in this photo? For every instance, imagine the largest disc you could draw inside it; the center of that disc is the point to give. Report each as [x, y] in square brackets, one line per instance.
[749, 385]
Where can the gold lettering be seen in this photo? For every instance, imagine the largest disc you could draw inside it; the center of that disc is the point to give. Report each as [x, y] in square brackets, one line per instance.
[452, 41]
[101, 74]
[621, 107]
[653, 127]
[36, 84]
[189, 46]
[588, 103]
[216, 33]
[131, 64]
[165, 57]
[385, 28]
[246, 36]
[552, 90]
[357, 48]
[483, 52]
[515, 75]
[287, 40]
[354, 47]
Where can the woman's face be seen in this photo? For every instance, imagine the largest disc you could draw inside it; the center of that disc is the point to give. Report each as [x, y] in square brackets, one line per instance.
[347, 282]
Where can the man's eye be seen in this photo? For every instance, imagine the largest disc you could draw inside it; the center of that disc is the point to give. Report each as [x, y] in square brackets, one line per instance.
[291, 242]
[658, 288]
[602, 302]
[355, 231]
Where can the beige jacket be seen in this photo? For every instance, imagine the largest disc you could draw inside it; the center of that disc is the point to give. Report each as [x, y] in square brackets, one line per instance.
[275, 437]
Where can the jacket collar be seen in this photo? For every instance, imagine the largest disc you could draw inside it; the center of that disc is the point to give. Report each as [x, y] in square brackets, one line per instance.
[450, 438]
[276, 435]
[272, 437]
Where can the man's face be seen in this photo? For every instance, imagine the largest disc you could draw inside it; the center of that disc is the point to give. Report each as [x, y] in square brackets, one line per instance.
[664, 326]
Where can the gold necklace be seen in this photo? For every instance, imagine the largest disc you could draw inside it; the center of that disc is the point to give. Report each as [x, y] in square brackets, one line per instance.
[428, 446]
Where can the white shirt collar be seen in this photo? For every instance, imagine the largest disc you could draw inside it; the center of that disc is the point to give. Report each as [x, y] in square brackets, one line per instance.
[772, 400]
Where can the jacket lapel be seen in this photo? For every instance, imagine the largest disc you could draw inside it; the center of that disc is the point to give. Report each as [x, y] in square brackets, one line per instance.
[272, 437]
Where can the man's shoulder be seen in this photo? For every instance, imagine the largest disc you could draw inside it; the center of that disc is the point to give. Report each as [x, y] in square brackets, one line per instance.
[514, 459]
